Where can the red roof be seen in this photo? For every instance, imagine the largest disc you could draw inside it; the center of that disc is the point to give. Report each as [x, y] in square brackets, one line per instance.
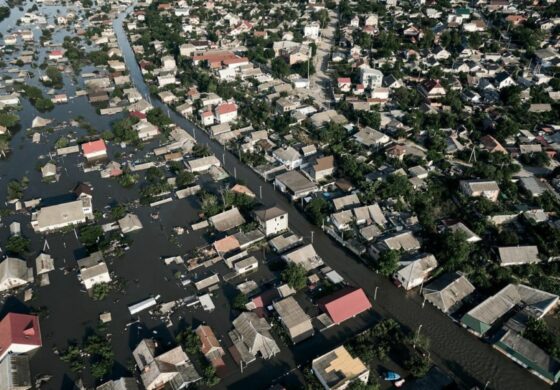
[138, 114]
[345, 80]
[226, 108]
[94, 146]
[237, 60]
[57, 53]
[19, 329]
[345, 304]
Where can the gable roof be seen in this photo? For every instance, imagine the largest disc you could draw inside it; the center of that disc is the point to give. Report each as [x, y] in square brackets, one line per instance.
[447, 291]
[345, 304]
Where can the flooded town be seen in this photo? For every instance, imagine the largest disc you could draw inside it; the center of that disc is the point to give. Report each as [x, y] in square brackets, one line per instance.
[335, 194]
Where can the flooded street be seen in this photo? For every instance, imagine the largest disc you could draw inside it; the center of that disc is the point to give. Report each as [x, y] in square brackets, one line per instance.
[72, 314]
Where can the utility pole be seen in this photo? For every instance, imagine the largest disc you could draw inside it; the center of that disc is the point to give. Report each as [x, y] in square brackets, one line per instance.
[375, 293]
[417, 335]
[260, 192]
[312, 232]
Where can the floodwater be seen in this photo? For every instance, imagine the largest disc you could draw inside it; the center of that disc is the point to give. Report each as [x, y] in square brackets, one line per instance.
[72, 313]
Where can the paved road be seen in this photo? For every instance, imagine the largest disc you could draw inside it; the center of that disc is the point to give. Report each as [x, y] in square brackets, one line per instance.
[472, 362]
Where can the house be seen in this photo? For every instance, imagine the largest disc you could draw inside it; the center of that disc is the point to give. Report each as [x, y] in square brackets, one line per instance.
[96, 274]
[210, 346]
[227, 220]
[533, 302]
[312, 31]
[345, 202]
[529, 355]
[304, 256]
[345, 304]
[518, 255]
[405, 241]
[371, 78]
[59, 216]
[480, 188]
[226, 112]
[416, 272]
[13, 273]
[371, 137]
[337, 369]
[145, 130]
[295, 184]
[202, 164]
[129, 223]
[119, 384]
[289, 157]
[432, 89]
[344, 84]
[56, 55]
[272, 220]
[503, 80]
[534, 186]
[48, 170]
[294, 319]
[94, 150]
[15, 373]
[322, 168]
[251, 337]
[448, 292]
[468, 234]
[492, 145]
[156, 370]
[19, 333]
[246, 265]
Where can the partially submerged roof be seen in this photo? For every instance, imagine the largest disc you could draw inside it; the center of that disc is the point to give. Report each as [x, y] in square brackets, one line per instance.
[447, 291]
[227, 220]
[345, 304]
[536, 302]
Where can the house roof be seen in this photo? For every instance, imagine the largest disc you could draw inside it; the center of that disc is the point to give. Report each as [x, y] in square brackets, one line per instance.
[268, 213]
[12, 267]
[514, 255]
[345, 304]
[207, 339]
[18, 328]
[515, 342]
[346, 201]
[291, 313]
[337, 367]
[227, 220]
[538, 302]
[417, 269]
[448, 290]
[304, 256]
[94, 146]
[226, 108]
[324, 163]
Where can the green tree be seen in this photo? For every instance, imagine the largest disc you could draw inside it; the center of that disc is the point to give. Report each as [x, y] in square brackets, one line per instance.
[17, 245]
[8, 119]
[418, 365]
[280, 68]
[100, 291]
[295, 276]
[90, 235]
[239, 301]
[316, 210]
[185, 179]
[388, 262]
[189, 341]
